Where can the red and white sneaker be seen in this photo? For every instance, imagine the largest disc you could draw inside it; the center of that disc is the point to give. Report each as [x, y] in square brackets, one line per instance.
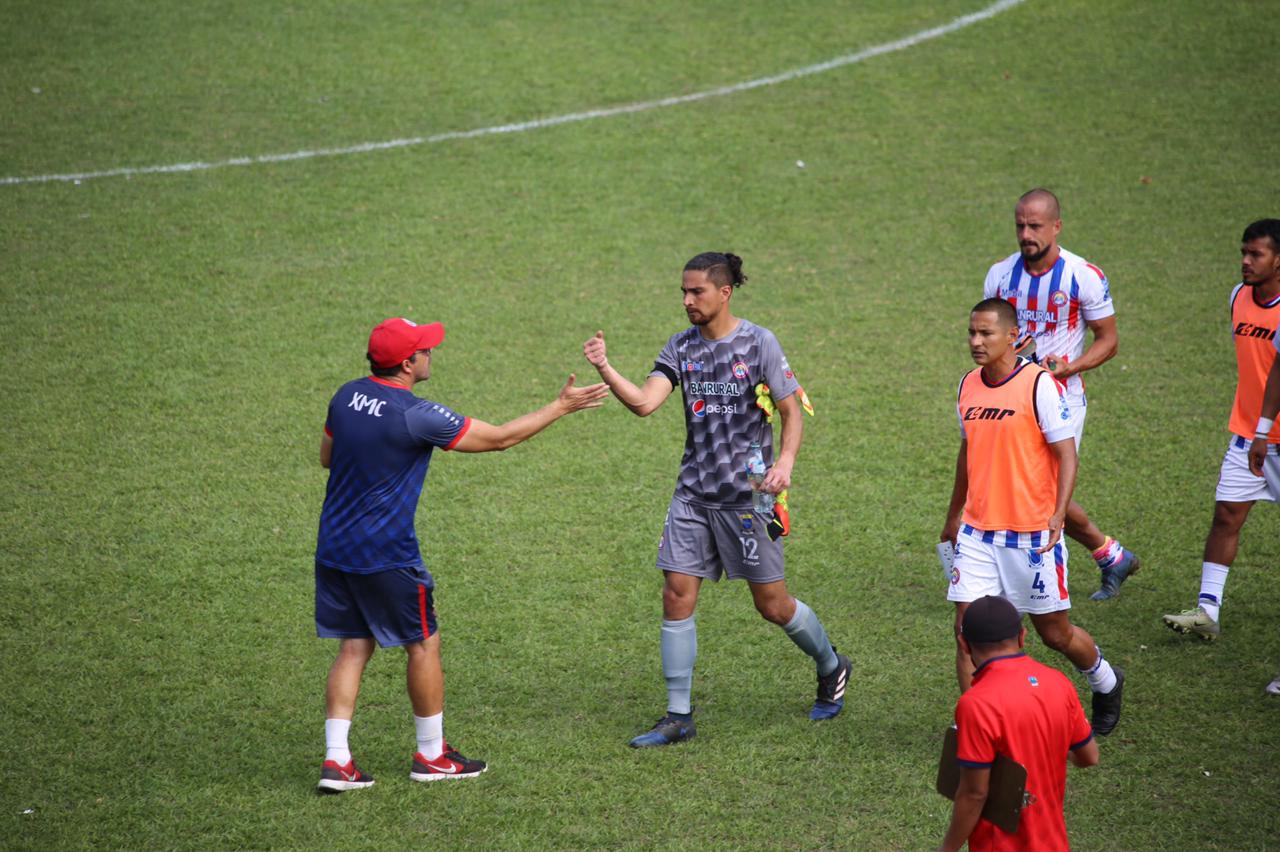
[339, 779]
[449, 764]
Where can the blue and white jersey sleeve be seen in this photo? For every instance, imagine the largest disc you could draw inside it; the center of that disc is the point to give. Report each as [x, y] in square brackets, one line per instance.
[434, 425]
[1095, 293]
[777, 372]
[991, 286]
[1053, 412]
[668, 363]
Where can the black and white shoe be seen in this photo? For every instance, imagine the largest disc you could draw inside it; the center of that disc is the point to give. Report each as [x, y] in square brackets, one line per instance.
[1106, 706]
[831, 688]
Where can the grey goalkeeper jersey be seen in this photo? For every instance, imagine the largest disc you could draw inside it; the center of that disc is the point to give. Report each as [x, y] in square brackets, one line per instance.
[718, 379]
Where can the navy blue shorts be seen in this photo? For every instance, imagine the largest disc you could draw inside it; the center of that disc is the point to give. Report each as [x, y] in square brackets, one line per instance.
[395, 607]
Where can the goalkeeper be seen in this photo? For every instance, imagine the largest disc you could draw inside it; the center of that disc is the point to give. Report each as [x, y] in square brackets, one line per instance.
[711, 528]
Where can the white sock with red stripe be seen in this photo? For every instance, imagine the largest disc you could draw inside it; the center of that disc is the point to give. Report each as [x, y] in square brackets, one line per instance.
[430, 735]
[1101, 677]
[335, 741]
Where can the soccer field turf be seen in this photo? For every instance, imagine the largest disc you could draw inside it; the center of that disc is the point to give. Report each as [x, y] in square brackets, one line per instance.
[162, 682]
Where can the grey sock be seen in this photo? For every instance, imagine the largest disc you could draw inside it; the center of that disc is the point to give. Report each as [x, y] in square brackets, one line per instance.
[807, 632]
[679, 650]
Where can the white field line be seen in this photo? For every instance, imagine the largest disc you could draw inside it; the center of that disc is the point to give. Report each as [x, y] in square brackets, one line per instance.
[539, 123]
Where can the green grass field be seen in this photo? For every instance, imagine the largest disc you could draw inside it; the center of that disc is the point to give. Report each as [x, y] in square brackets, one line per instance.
[168, 343]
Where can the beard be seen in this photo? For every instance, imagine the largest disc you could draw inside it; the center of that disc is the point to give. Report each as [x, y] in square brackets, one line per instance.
[1033, 257]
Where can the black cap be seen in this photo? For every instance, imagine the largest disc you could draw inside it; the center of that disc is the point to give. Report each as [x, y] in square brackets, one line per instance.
[990, 619]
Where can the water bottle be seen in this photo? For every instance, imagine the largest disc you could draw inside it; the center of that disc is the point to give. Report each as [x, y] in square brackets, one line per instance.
[761, 501]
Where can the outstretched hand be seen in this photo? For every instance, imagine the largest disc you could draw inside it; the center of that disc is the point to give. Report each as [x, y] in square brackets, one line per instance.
[577, 398]
[594, 350]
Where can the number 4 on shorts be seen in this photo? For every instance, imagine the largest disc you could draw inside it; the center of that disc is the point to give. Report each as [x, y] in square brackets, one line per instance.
[1038, 584]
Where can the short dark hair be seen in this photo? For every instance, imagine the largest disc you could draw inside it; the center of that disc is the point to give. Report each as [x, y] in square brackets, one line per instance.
[1040, 193]
[1003, 310]
[387, 372]
[722, 268]
[1263, 228]
[381, 372]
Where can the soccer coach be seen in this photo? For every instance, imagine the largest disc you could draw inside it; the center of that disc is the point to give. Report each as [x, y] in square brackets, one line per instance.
[371, 584]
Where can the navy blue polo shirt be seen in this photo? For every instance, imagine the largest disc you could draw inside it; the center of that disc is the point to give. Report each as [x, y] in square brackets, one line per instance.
[383, 437]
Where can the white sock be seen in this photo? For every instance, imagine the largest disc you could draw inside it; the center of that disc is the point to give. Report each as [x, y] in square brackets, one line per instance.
[1101, 677]
[1213, 577]
[1108, 553]
[335, 741]
[430, 735]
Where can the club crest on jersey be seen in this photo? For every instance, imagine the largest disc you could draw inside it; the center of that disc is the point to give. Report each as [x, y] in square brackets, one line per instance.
[955, 576]
[1032, 680]
[748, 522]
[1059, 298]
[739, 369]
[691, 366]
[699, 408]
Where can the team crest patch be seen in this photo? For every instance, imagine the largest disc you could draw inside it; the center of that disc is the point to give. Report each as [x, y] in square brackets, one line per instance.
[1035, 559]
[788, 374]
[1031, 680]
[739, 369]
[955, 576]
[1059, 298]
[748, 522]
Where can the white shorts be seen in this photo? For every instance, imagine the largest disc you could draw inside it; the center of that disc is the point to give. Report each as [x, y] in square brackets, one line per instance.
[1236, 484]
[1079, 409]
[1033, 582]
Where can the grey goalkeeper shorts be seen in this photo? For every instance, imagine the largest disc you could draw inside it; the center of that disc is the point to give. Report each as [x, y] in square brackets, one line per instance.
[706, 542]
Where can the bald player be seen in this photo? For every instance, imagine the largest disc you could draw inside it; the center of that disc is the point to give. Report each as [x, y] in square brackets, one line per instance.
[1014, 475]
[1057, 296]
[1250, 468]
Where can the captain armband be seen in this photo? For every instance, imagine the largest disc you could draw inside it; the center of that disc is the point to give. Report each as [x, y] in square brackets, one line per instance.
[1263, 428]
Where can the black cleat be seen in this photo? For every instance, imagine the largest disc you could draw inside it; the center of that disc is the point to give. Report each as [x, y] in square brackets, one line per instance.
[830, 700]
[671, 728]
[1106, 707]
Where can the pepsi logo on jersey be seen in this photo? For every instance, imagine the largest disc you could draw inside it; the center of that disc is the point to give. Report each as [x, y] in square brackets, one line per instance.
[701, 408]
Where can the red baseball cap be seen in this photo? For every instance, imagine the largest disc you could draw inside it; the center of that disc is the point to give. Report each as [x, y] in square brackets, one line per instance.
[396, 339]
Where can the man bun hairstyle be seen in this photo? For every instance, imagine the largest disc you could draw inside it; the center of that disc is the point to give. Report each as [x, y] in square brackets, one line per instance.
[1262, 228]
[722, 268]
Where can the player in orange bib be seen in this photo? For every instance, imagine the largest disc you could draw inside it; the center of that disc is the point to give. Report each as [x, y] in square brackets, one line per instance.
[1255, 315]
[1014, 476]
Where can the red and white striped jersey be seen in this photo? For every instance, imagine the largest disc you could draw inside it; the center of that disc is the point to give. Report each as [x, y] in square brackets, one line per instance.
[1054, 306]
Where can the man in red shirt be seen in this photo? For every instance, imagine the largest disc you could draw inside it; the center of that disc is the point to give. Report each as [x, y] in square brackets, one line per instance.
[1025, 711]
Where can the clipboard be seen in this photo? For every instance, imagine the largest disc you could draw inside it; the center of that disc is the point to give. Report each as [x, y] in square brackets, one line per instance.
[1005, 792]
